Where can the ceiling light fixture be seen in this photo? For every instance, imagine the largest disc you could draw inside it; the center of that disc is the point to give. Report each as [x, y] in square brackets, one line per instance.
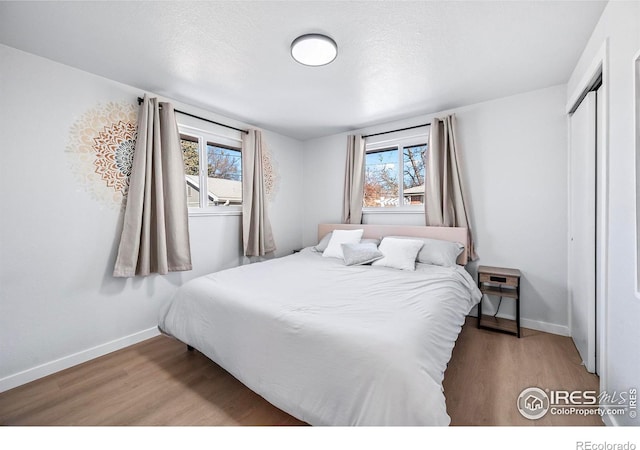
[314, 49]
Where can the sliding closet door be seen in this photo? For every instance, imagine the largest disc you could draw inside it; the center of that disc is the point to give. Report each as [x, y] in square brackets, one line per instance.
[582, 229]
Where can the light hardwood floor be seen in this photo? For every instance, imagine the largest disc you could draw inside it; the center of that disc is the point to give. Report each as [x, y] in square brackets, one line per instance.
[488, 370]
[158, 382]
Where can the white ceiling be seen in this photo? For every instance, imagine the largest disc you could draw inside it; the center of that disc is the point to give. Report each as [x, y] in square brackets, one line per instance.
[396, 59]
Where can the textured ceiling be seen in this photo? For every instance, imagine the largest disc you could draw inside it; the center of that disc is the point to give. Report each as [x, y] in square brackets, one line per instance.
[396, 59]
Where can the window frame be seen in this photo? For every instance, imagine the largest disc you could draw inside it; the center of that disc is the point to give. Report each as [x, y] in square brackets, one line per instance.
[204, 138]
[397, 143]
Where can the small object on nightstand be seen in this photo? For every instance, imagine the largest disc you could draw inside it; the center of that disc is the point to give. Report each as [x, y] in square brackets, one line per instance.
[502, 282]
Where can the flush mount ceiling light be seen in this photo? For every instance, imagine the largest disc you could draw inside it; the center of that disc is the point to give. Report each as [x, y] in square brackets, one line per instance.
[314, 49]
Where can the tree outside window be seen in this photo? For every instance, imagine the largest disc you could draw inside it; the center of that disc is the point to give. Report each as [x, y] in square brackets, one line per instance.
[383, 169]
[223, 180]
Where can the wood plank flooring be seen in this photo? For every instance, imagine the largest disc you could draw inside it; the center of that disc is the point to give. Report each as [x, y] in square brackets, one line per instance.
[488, 370]
[158, 382]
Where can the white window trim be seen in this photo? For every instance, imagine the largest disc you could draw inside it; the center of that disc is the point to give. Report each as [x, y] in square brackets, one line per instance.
[404, 209]
[400, 142]
[216, 211]
[209, 136]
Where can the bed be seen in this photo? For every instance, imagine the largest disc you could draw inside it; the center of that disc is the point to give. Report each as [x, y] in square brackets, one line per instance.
[333, 344]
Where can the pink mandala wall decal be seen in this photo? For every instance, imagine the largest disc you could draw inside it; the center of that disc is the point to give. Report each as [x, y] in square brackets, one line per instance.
[114, 147]
[270, 173]
[100, 149]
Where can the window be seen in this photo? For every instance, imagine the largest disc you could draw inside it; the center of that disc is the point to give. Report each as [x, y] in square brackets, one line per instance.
[394, 173]
[213, 169]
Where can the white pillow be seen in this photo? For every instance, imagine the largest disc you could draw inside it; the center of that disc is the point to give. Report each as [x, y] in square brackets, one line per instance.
[339, 237]
[399, 253]
[437, 251]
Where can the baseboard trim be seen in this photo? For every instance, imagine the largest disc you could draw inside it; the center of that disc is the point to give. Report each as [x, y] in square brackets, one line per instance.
[74, 359]
[538, 325]
[547, 327]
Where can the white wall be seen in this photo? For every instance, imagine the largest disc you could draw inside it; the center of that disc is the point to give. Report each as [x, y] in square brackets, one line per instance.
[59, 304]
[514, 157]
[619, 31]
[286, 210]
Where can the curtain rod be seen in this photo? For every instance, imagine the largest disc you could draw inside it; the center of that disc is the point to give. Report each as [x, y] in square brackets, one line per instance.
[140, 100]
[399, 129]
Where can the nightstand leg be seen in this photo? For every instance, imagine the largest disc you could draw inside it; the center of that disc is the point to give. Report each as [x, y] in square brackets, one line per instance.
[479, 305]
[518, 309]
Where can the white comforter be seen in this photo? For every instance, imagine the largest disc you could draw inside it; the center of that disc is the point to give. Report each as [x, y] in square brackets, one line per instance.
[328, 343]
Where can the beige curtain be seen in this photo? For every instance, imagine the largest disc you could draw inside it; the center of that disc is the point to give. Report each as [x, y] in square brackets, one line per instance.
[155, 234]
[444, 200]
[256, 228]
[354, 180]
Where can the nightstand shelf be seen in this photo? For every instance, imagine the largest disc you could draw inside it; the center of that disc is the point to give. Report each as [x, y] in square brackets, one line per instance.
[492, 290]
[501, 282]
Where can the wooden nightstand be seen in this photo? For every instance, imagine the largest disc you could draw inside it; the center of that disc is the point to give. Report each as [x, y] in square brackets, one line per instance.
[502, 282]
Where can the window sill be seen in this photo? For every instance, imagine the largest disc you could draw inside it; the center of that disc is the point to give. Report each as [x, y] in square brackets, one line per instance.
[215, 211]
[394, 210]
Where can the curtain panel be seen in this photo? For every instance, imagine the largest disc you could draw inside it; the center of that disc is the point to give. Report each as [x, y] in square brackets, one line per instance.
[257, 235]
[354, 180]
[444, 197]
[155, 233]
